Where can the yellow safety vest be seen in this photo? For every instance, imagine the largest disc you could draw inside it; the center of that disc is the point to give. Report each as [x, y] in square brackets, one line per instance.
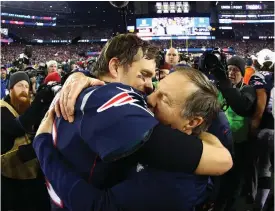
[11, 166]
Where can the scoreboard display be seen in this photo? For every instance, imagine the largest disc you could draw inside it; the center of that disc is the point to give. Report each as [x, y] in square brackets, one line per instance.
[165, 26]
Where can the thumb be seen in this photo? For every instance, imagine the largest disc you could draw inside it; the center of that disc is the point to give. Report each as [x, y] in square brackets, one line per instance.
[95, 82]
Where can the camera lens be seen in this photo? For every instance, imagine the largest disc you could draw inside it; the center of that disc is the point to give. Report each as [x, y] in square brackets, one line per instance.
[211, 61]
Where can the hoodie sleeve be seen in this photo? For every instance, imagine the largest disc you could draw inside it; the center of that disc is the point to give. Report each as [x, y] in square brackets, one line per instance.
[66, 188]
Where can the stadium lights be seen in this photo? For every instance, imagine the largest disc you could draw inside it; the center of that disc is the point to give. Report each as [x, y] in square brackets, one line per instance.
[226, 27]
[229, 21]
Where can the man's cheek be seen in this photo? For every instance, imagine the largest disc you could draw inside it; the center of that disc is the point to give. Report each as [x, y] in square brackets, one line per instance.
[161, 116]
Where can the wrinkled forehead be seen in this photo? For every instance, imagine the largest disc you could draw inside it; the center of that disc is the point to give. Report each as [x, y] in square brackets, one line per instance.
[177, 86]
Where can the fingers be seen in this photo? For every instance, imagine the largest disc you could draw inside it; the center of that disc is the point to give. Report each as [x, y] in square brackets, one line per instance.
[66, 93]
[77, 86]
[62, 104]
[71, 100]
[74, 93]
[70, 92]
[57, 109]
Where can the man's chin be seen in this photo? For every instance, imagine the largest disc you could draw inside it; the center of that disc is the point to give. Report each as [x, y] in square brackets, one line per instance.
[173, 127]
[23, 99]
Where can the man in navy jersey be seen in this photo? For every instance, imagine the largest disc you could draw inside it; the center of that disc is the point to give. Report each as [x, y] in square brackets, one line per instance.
[142, 190]
[113, 122]
[263, 121]
[263, 82]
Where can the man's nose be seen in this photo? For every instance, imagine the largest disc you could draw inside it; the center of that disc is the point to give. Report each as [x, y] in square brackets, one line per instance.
[150, 101]
[149, 86]
[25, 89]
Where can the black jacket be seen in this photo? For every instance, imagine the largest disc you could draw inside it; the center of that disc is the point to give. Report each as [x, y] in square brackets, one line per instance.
[26, 123]
[241, 100]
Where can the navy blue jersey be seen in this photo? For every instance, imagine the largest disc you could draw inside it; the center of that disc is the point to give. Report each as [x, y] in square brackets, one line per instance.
[221, 129]
[111, 122]
[262, 80]
[265, 80]
[146, 189]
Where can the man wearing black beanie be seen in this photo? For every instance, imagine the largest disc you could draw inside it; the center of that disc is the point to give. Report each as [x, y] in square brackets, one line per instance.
[236, 67]
[17, 77]
[21, 187]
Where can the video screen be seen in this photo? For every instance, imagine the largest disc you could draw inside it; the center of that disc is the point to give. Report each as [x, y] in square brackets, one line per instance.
[172, 26]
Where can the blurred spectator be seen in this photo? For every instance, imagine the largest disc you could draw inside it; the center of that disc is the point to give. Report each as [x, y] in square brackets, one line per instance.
[52, 77]
[172, 57]
[52, 66]
[249, 71]
[4, 82]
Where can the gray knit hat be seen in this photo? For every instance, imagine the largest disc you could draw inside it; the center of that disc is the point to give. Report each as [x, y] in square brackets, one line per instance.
[238, 62]
[16, 77]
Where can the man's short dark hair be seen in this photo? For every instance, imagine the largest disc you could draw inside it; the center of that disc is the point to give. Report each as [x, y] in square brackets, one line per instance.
[125, 47]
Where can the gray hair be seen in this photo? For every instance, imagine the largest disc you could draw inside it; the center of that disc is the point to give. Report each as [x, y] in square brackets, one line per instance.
[203, 102]
[51, 62]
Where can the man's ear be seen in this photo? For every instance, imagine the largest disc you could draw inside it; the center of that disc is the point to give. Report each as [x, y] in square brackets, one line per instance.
[113, 67]
[193, 123]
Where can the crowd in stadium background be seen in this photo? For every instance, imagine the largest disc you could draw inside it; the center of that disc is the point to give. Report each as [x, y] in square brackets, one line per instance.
[68, 37]
[61, 53]
[84, 23]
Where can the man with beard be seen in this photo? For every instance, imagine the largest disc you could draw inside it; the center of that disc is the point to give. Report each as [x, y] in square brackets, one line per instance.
[21, 189]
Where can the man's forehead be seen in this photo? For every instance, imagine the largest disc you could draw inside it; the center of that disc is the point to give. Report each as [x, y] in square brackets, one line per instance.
[147, 65]
[176, 81]
[172, 80]
[172, 50]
